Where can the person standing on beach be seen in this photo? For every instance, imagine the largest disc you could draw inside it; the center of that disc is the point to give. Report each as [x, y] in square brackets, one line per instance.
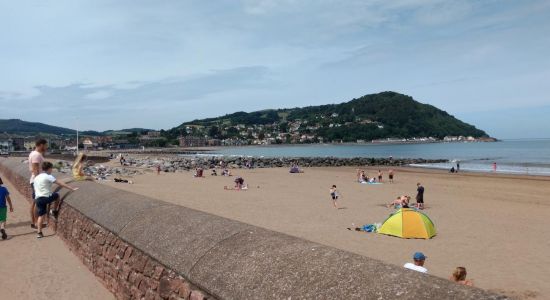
[36, 158]
[390, 176]
[494, 167]
[158, 169]
[334, 194]
[457, 166]
[420, 196]
[4, 197]
[379, 175]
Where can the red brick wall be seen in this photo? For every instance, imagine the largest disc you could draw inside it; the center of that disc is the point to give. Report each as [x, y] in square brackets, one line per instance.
[126, 271]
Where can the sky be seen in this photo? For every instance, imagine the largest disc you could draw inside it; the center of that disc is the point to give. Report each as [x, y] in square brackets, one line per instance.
[98, 64]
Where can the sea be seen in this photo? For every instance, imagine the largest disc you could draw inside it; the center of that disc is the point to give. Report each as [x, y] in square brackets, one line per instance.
[511, 156]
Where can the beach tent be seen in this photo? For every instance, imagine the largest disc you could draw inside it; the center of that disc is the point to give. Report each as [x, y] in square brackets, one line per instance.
[409, 224]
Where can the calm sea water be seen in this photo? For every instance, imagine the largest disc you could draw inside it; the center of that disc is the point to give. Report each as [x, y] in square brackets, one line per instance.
[511, 156]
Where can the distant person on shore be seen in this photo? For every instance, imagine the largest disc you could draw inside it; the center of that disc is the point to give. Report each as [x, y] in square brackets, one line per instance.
[379, 175]
[418, 265]
[452, 170]
[36, 158]
[390, 176]
[158, 169]
[214, 173]
[494, 167]
[44, 195]
[334, 194]
[226, 172]
[4, 198]
[419, 196]
[457, 166]
[459, 276]
[78, 168]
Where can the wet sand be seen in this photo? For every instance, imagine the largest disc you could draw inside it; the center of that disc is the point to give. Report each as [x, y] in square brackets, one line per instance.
[41, 269]
[495, 226]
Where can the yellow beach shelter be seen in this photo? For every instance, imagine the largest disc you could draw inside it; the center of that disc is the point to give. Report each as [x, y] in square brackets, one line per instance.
[409, 224]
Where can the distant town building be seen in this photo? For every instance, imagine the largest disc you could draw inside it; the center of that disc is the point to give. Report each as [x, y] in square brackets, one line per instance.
[192, 141]
[87, 144]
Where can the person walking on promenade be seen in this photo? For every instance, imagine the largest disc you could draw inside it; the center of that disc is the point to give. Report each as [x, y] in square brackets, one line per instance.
[36, 158]
[4, 197]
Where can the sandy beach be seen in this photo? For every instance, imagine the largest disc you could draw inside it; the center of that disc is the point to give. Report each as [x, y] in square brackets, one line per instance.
[494, 225]
[41, 269]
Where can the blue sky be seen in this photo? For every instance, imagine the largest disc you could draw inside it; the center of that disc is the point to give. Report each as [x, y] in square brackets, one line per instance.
[135, 63]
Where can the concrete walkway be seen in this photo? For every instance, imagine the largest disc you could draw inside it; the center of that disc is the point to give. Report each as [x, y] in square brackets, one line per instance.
[32, 268]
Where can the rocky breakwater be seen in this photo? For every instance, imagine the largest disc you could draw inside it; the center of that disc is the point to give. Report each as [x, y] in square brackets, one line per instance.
[173, 164]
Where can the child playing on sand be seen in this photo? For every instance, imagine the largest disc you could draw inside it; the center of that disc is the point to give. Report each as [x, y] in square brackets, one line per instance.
[334, 194]
[44, 195]
[4, 197]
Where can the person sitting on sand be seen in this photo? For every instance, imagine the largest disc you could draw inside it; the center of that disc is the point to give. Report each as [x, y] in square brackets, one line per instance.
[334, 194]
[459, 276]
[214, 173]
[78, 168]
[198, 172]
[452, 170]
[407, 201]
[397, 203]
[120, 180]
[295, 169]
[226, 172]
[239, 182]
[419, 259]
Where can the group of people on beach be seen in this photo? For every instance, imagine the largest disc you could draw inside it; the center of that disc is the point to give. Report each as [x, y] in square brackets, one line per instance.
[403, 201]
[362, 176]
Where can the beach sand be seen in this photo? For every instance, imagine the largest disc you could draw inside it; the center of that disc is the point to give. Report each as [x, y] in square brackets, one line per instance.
[496, 226]
[41, 269]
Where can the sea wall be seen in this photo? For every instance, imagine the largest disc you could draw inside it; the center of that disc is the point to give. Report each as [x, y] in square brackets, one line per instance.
[142, 248]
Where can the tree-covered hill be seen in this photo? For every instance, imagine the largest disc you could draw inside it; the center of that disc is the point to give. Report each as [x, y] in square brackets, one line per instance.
[375, 116]
[16, 126]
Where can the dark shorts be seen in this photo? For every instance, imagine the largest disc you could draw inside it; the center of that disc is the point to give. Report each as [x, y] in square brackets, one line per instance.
[42, 203]
[334, 196]
[419, 199]
[391, 176]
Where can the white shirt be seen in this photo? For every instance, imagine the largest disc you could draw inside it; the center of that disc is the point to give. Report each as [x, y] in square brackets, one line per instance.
[416, 268]
[43, 185]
